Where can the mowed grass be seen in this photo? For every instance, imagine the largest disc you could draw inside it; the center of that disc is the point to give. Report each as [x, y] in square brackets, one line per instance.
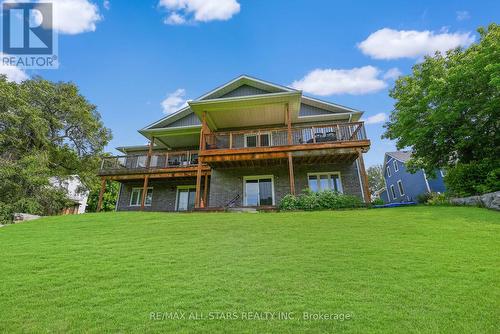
[414, 269]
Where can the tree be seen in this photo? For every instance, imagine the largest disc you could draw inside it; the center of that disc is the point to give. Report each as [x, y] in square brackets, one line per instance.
[46, 129]
[375, 178]
[448, 110]
[108, 200]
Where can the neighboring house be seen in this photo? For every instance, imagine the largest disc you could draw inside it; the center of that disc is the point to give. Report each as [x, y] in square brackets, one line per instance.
[246, 143]
[75, 191]
[403, 186]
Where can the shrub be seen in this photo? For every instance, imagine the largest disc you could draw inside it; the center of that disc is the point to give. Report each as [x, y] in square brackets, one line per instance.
[424, 198]
[309, 201]
[289, 202]
[378, 201]
[438, 199]
[473, 178]
[5, 213]
[431, 198]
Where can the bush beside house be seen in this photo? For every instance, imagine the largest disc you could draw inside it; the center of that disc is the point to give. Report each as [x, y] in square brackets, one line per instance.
[323, 200]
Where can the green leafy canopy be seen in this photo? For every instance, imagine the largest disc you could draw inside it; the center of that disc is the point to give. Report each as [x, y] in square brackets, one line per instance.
[448, 110]
[46, 129]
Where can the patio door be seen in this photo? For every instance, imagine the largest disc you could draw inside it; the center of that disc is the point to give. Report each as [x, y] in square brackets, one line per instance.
[185, 198]
[258, 190]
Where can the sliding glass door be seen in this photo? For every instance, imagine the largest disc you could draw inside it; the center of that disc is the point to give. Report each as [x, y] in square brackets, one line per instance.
[258, 190]
[185, 198]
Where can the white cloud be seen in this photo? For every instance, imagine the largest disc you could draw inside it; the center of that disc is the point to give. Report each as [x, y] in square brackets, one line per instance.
[360, 80]
[175, 18]
[392, 74]
[184, 11]
[12, 73]
[174, 101]
[376, 119]
[392, 44]
[75, 16]
[463, 15]
[106, 4]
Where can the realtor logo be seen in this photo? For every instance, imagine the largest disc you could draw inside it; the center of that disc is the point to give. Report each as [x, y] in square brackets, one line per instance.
[28, 38]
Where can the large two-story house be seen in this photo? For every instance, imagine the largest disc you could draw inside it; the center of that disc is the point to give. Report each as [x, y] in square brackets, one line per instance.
[247, 143]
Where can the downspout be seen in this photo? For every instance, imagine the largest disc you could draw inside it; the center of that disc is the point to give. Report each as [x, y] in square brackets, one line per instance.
[426, 182]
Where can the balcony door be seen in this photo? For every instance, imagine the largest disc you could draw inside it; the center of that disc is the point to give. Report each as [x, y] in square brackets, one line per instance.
[185, 198]
[258, 190]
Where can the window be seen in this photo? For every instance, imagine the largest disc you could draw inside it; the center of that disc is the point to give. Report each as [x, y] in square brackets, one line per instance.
[252, 139]
[393, 192]
[400, 187]
[388, 172]
[324, 181]
[258, 190]
[395, 164]
[136, 197]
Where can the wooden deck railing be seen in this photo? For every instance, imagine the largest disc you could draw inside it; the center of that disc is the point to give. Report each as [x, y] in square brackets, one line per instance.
[337, 132]
[177, 159]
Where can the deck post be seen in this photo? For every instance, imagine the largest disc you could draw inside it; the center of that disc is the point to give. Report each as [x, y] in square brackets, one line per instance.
[144, 191]
[288, 124]
[101, 194]
[205, 191]
[150, 152]
[291, 174]
[197, 197]
[364, 176]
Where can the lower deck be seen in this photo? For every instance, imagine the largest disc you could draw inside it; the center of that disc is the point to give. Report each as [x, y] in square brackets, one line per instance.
[257, 186]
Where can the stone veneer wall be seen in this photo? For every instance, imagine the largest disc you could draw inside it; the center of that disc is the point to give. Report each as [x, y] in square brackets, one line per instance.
[226, 183]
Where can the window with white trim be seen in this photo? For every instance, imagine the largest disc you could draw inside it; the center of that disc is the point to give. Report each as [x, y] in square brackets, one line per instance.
[400, 187]
[395, 164]
[388, 171]
[393, 192]
[324, 181]
[258, 140]
[136, 197]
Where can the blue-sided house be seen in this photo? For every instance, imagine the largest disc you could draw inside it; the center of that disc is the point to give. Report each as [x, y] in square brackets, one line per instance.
[403, 186]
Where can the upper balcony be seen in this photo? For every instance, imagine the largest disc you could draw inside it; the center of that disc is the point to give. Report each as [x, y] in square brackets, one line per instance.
[309, 143]
[174, 163]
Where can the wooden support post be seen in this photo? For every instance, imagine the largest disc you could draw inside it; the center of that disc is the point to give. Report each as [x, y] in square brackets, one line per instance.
[197, 197]
[230, 140]
[289, 125]
[150, 152]
[313, 135]
[291, 174]
[205, 191]
[144, 191]
[203, 130]
[364, 177]
[101, 194]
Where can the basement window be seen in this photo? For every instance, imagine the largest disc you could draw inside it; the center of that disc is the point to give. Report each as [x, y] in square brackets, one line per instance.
[136, 196]
[324, 181]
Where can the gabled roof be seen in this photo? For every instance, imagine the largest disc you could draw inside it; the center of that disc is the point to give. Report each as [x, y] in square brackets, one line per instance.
[402, 156]
[244, 80]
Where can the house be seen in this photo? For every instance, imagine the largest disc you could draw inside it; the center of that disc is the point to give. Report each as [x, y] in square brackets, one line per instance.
[403, 186]
[75, 191]
[247, 143]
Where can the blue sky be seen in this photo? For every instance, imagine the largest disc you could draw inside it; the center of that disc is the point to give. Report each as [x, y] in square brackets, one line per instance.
[129, 56]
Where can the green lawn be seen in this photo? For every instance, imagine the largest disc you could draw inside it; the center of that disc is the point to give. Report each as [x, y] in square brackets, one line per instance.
[418, 269]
